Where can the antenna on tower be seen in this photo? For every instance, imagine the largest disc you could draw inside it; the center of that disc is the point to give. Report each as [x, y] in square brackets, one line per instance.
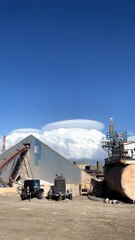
[4, 144]
[111, 128]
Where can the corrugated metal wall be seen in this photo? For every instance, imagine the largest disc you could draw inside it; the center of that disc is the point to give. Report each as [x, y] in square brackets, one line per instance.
[46, 163]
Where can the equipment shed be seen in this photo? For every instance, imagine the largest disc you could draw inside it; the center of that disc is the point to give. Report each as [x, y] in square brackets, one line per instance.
[31, 158]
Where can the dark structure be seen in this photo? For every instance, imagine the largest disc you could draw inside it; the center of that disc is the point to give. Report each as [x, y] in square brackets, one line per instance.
[32, 189]
[119, 168]
[58, 191]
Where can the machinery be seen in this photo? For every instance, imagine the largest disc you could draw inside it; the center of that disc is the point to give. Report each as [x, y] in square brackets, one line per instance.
[32, 189]
[16, 167]
[119, 168]
[58, 191]
[84, 188]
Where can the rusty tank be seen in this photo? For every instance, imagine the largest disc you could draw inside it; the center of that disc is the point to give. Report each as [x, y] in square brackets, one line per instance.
[119, 168]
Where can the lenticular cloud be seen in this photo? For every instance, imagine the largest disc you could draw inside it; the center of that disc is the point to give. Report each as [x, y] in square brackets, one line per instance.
[77, 123]
[74, 139]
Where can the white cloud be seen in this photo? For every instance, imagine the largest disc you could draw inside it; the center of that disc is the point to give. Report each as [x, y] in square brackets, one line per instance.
[17, 135]
[74, 139]
[131, 136]
[77, 123]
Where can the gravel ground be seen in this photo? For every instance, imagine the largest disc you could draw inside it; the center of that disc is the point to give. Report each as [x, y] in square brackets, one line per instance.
[78, 219]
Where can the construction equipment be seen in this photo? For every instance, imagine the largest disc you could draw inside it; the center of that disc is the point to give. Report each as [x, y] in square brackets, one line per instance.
[58, 191]
[10, 168]
[119, 168]
[32, 189]
[84, 187]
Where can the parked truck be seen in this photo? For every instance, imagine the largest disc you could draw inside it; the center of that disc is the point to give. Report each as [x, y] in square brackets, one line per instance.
[58, 190]
[32, 189]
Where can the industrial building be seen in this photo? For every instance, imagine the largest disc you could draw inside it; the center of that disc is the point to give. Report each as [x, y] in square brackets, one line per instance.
[31, 158]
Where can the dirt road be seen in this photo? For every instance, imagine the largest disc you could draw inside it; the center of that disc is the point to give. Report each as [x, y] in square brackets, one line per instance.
[78, 219]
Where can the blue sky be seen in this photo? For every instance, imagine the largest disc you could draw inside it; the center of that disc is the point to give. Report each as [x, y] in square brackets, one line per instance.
[71, 59]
